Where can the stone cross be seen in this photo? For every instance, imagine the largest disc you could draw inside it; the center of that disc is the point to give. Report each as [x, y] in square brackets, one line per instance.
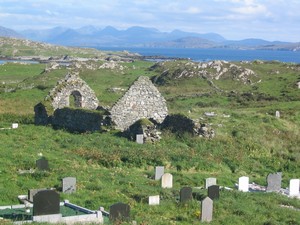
[159, 171]
[46, 202]
[274, 182]
[294, 187]
[119, 211]
[213, 192]
[206, 210]
[154, 200]
[186, 194]
[244, 184]
[210, 181]
[167, 180]
[69, 185]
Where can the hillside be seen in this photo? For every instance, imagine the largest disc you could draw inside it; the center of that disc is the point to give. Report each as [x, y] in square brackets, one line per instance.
[250, 140]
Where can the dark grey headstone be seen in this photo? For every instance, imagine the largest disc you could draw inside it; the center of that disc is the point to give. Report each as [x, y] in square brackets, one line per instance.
[159, 171]
[206, 210]
[274, 182]
[213, 192]
[119, 211]
[186, 194]
[69, 185]
[46, 203]
[42, 164]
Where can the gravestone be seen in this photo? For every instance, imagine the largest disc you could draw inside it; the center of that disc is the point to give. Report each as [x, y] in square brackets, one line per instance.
[140, 138]
[213, 192]
[46, 202]
[274, 182]
[42, 164]
[159, 171]
[294, 187]
[14, 125]
[167, 180]
[206, 210]
[32, 192]
[210, 181]
[69, 184]
[186, 194]
[119, 211]
[277, 114]
[154, 200]
[244, 184]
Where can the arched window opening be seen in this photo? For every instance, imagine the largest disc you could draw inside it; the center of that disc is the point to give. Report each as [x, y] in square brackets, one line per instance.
[75, 100]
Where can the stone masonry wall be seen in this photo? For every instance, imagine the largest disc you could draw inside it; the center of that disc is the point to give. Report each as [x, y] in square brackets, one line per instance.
[142, 100]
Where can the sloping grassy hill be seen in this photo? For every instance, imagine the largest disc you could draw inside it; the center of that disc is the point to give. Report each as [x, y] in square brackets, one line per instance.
[249, 141]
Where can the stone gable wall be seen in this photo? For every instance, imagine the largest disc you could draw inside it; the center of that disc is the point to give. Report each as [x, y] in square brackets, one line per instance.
[142, 100]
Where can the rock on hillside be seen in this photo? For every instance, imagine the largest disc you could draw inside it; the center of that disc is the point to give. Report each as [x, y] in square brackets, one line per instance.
[213, 70]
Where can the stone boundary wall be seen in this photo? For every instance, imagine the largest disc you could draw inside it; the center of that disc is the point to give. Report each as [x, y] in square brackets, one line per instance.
[142, 100]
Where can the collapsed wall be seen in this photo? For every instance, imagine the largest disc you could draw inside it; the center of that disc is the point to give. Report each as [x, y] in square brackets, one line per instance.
[142, 100]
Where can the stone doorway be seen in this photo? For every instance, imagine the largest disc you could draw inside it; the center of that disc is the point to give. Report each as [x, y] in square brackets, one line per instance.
[75, 100]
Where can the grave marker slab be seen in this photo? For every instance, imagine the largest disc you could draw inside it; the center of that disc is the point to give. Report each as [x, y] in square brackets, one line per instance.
[159, 171]
[46, 202]
[42, 164]
[69, 184]
[154, 200]
[119, 211]
[213, 192]
[294, 187]
[186, 194]
[167, 180]
[210, 181]
[14, 125]
[277, 114]
[244, 184]
[206, 210]
[274, 182]
[140, 138]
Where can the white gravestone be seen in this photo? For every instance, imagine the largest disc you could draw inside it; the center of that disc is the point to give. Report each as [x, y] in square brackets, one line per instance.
[244, 184]
[294, 187]
[154, 200]
[159, 171]
[206, 210]
[167, 180]
[210, 181]
[277, 114]
[140, 138]
[14, 125]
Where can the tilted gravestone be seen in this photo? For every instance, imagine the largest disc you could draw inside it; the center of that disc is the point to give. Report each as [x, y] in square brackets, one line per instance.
[213, 192]
[154, 200]
[206, 210]
[294, 187]
[274, 182]
[46, 202]
[167, 180]
[119, 211]
[42, 164]
[210, 181]
[159, 171]
[186, 194]
[244, 184]
[69, 184]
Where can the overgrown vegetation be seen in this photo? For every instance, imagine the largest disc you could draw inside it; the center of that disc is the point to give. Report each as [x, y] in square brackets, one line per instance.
[109, 168]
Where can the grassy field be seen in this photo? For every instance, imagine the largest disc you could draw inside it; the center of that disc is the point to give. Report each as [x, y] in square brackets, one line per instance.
[250, 141]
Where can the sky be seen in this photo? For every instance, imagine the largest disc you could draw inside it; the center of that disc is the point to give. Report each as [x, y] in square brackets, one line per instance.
[233, 19]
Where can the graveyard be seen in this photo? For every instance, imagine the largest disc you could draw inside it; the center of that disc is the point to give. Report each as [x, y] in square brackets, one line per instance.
[247, 173]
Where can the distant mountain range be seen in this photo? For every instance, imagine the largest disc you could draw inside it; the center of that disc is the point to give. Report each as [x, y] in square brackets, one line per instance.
[90, 36]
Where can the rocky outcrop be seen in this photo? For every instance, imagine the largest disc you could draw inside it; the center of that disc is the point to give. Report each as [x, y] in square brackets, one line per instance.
[142, 100]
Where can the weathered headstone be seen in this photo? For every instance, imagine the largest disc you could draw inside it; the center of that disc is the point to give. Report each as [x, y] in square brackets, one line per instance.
[277, 114]
[244, 184]
[294, 187]
[210, 181]
[46, 202]
[119, 211]
[186, 194]
[274, 182]
[32, 192]
[159, 171]
[206, 210]
[213, 192]
[14, 125]
[140, 138]
[69, 184]
[154, 200]
[42, 164]
[167, 180]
